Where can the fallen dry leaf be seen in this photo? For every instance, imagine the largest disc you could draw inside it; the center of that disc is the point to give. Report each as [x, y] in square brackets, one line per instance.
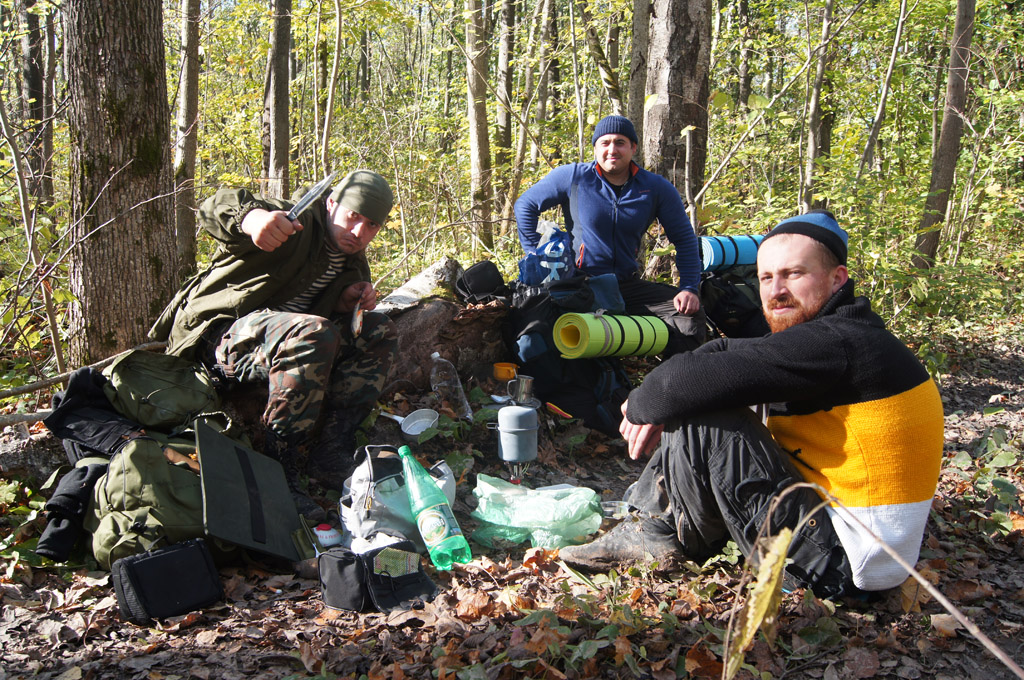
[543, 638]
[472, 605]
[966, 590]
[945, 624]
[913, 594]
[861, 663]
[623, 648]
[701, 663]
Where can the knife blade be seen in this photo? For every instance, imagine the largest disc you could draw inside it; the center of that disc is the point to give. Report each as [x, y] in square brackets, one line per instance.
[310, 196]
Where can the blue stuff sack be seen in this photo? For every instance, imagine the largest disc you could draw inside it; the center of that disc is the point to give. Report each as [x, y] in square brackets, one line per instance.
[552, 261]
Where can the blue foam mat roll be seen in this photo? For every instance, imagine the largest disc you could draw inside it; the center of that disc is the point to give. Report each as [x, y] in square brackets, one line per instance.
[720, 252]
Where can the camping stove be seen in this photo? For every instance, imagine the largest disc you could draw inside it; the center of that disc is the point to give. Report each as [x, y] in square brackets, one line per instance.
[517, 439]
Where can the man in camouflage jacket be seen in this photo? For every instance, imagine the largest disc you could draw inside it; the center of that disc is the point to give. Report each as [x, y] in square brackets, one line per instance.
[275, 305]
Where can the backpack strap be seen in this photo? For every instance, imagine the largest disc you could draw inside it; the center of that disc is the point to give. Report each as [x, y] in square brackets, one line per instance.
[145, 528]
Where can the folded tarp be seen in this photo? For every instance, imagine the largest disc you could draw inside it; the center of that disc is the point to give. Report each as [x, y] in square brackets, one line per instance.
[604, 335]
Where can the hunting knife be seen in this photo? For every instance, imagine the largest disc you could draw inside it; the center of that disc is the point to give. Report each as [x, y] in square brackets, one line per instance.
[310, 196]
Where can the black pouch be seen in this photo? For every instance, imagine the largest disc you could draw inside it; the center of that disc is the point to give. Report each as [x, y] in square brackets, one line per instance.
[482, 283]
[382, 579]
[166, 582]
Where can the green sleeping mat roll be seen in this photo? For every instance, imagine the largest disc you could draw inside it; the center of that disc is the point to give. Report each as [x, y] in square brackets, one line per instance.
[579, 336]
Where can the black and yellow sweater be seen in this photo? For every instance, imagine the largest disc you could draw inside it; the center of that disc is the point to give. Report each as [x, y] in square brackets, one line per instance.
[851, 404]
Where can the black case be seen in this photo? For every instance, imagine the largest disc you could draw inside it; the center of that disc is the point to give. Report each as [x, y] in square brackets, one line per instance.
[384, 579]
[166, 582]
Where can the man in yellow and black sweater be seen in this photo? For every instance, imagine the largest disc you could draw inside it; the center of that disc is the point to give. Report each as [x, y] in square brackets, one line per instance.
[852, 410]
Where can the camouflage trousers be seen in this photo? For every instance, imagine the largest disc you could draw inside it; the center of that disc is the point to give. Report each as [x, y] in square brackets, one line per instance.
[305, 359]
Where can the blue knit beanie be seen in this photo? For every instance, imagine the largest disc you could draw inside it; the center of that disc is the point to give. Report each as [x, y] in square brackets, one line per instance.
[614, 125]
[820, 225]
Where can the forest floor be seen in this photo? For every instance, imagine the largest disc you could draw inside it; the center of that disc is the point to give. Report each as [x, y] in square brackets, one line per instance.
[519, 612]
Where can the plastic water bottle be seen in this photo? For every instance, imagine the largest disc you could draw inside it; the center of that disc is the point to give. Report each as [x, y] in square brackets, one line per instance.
[434, 517]
[444, 380]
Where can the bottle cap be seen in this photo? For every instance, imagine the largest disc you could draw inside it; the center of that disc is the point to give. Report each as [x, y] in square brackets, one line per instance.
[327, 535]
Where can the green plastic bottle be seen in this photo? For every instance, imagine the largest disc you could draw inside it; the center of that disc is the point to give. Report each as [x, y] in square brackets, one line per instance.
[434, 517]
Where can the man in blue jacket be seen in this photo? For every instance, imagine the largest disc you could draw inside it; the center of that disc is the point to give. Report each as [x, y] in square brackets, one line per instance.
[608, 205]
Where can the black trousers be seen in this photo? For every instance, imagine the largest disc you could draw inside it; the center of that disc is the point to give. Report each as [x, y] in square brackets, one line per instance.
[648, 298]
[714, 477]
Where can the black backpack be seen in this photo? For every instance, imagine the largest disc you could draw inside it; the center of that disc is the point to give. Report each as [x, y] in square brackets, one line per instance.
[591, 389]
[732, 302]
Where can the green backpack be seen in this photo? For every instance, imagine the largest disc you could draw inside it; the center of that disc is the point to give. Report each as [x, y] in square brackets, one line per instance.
[143, 502]
[161, 391]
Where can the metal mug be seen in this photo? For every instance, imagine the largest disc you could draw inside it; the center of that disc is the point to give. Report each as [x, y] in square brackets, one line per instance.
[521, 388]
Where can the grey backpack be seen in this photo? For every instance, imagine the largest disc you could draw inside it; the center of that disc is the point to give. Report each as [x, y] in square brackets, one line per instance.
[375, 498]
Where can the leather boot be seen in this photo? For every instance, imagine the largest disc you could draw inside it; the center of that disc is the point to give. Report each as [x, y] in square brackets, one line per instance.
[290, 455]
[332, 457]
[632, 540]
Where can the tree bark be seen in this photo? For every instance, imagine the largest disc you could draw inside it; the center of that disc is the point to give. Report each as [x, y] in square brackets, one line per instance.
[332, 89]
[541, 116]
[609, 79]
[124, 260]
[744, 77]
[868, 157]
[814, 113]
[278, 104]
[677, 73]
[187, 139]
[503, 87]
[49, 77]
[33, 99]
[948, 149]
[479, 138]
[638, 69]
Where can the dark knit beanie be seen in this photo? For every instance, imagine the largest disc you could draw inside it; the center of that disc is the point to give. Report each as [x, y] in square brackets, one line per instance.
[820, 225]
[614, 125]
[366, 193]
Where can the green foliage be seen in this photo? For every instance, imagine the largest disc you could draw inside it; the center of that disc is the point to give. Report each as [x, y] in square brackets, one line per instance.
[21, 519]
[399, 107]
[986, 472]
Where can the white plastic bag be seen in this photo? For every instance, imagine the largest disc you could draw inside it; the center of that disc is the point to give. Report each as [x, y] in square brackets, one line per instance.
[549, 517]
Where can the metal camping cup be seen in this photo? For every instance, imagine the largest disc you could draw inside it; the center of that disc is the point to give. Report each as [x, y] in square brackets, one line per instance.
[520, 388]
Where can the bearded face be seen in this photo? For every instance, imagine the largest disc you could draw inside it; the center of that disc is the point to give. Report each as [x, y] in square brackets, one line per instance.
[785, 311]
[794, 280]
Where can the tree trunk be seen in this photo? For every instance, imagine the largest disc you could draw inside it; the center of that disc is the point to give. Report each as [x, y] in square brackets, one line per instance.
[123, 265]
[363, 68]
[332, 89]
[503, 87]
[609, 79]
[638, 69]
[948, 150]
[187, 139]
[611, 41]
[868, 157]
[677, 74]
[745, 77]
[814, 113]
[33, 98]
[479, 139]
[547, 30]
[280, 138]
[49, 77]
[524, 112]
